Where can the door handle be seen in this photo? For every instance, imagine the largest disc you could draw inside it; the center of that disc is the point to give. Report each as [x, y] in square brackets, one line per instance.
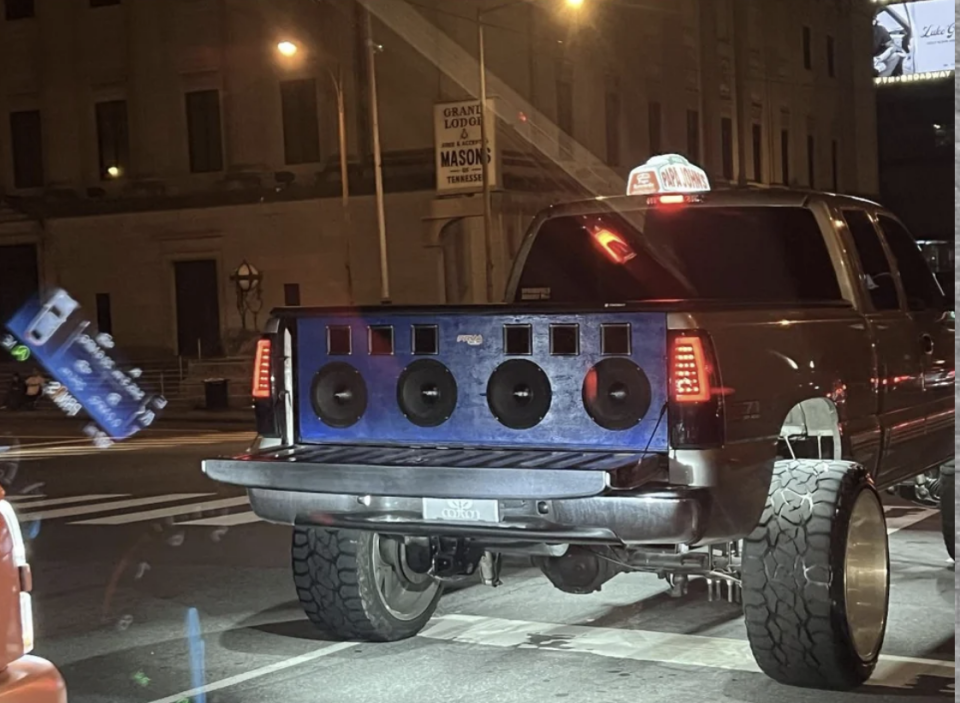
[926, 343]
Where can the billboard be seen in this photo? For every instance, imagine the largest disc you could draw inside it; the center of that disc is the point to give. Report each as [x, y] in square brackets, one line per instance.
[913, 41]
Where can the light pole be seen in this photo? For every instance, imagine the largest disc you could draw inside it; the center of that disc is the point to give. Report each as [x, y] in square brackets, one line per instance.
[485, 158]
[288, 49]
[372, 50]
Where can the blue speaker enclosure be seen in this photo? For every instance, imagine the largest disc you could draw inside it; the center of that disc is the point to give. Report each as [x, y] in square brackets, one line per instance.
[472, 346]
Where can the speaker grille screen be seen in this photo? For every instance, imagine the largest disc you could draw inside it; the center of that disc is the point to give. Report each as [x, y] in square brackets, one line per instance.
[519, 394]
[518, 340]
[565, 340]
[616, 394]
[427, 393]
[381, 341]
[426, 340]
[339, 395]
[615, 340]
[339, 341]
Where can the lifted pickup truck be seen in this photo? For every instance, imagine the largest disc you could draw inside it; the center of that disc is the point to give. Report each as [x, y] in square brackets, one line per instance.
[711, 385]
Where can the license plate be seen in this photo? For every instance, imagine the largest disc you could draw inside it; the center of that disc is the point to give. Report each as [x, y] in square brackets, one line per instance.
[461, 510]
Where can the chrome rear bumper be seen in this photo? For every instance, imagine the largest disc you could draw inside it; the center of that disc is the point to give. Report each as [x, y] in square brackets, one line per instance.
[559, 497]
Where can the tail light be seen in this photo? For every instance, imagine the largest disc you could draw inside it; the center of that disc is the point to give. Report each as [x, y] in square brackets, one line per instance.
[262, 372]
[696, 398]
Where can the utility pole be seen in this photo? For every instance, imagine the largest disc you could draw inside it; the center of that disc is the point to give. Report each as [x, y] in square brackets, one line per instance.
[484, 161]
[377, 160]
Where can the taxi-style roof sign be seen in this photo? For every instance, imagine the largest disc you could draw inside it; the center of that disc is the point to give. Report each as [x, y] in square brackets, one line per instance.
[671, 173]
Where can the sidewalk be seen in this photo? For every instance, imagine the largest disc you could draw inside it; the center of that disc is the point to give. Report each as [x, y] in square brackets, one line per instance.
[234, 416]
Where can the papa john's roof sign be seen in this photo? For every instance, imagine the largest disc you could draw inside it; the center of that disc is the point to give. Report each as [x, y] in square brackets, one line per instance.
[667, 174]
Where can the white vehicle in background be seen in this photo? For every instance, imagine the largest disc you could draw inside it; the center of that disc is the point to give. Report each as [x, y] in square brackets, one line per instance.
[23, 678]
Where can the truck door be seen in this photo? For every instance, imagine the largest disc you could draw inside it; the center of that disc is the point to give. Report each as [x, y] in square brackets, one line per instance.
[934, 327]
[899, 371]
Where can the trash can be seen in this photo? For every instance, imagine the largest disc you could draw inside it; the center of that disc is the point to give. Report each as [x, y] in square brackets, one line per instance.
[215, 391]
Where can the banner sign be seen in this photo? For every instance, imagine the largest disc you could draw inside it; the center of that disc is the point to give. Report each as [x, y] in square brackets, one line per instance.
[459, 153]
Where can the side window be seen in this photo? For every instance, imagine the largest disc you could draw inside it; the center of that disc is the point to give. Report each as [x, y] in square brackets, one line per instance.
[878, 279]
[923, 291]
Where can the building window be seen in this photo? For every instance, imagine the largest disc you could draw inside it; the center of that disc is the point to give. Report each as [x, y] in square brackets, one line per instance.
[693, 135]
[301, 131]
[103, 3]
[807, 49]
[104, 315]
[758, 153]
[27, 141]
[726, 147]
[656, 128]
[785, 156]
[831, 57]
[565, 116]
[614, 109]
[114, 138]
[18, 9]
[204, 135]
[811, 160]
[835, 165]
[291, 295]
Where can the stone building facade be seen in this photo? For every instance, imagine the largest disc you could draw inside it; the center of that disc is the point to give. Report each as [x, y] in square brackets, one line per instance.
[149, 147]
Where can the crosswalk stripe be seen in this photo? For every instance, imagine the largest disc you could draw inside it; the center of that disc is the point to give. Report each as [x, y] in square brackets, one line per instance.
[231, 520]
[648, 646]
[107, 507]
[895, 524]
[166, 512]
[23, 499]
[66, 501]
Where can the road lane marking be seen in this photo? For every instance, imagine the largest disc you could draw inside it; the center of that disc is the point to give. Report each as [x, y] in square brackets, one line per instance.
[912, 516]
[647, 646]
[107, 507]
[161, 513]
[66, 501]
[257, 673]
[231, 520]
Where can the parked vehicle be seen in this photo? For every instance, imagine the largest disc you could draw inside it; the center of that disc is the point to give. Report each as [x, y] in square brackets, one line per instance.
[23, 678]
[696, 384]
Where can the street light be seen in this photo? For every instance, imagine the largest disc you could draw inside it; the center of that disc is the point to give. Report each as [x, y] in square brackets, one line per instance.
[484, 157]
[247, 280]
[287, 48]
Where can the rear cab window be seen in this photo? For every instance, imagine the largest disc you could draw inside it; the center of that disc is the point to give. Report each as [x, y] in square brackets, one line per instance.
[758, 254]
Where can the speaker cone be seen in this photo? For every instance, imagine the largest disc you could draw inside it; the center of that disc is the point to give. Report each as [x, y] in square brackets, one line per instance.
[519, 394]
[616, 394]
[339, 395]
[427, 393]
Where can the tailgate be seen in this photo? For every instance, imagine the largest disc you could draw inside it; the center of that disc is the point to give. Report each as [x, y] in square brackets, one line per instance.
[575, 382]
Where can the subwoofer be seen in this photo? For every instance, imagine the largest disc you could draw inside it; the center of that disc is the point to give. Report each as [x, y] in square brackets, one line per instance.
[427, 393]
[616, 394]
[339, 395]
[519, 394]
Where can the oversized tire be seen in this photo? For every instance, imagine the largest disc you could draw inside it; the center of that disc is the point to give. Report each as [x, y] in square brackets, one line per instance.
[948, 507]
[356, 585]
[816, 576]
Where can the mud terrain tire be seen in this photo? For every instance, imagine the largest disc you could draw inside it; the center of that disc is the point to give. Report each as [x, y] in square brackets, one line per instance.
[796, 566]
[340, 576]
[948, 507]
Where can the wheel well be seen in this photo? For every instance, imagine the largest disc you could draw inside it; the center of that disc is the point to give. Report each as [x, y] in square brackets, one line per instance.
[811, 430]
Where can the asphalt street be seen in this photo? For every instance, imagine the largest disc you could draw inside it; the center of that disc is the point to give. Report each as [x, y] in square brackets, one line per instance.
[155, 585]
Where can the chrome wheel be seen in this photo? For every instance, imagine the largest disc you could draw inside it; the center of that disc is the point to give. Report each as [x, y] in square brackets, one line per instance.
[866, 575]
[405, 594]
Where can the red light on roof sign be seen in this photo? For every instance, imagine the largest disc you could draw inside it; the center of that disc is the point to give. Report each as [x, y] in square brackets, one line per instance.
[667, 174]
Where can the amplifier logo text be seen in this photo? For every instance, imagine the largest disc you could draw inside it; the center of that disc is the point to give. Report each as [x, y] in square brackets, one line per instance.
[474, 340]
